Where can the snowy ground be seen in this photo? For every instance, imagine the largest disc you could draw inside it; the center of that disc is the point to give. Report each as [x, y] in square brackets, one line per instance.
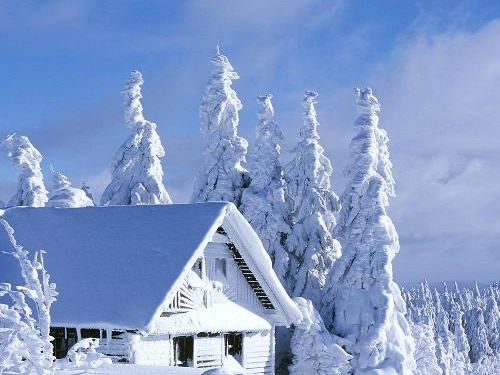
[127, 369]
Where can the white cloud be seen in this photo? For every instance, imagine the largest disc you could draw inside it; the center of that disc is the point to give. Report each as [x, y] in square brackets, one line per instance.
[439, 95]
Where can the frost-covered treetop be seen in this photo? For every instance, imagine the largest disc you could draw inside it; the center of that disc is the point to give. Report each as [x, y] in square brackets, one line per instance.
[309, 128]
[215, 118]
[137, 174]
[268, 133]
[311, 245]
[59, 181]
[263, 203]
[367, 102]
[132, 99]
[221, 177]
[30, 187]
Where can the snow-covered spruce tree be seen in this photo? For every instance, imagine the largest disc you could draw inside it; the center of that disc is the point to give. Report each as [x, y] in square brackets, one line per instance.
[28, 345]
[137, 174]
[64, 195]
[221, 177]
[476, 330]
[314, 349]
[492, 320]
[461, 343]
[421, 315]
[30, 187]
[449, 359]
[363, 303]
[264, 202]
[311, 246]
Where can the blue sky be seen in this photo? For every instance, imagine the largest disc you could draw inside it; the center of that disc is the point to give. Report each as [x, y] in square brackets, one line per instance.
[435, 67]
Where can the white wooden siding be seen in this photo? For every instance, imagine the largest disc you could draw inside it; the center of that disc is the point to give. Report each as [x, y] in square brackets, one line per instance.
[236, 287]
[257, 349]
[208, 351]
[118, 349]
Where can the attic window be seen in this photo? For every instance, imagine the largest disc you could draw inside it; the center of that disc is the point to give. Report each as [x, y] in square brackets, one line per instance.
[198, 267]
[250, 277]
[220, 267]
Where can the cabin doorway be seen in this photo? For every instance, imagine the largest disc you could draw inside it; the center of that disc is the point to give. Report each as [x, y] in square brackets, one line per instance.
[183, 351]
[233, 344]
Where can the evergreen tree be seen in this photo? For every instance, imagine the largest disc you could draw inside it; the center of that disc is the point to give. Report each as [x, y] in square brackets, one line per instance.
[264, 202]
[30, 187]
[312, 248]
[492, 321]
[477, 333]
[421, 317]
[461, 343]
[222, 177]
[368, 309]
[137, 174]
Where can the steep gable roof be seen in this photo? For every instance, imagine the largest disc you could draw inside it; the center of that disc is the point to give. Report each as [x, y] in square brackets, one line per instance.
[115, 266]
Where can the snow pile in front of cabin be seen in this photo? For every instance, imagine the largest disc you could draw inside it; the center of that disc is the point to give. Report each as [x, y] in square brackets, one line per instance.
[129, 369]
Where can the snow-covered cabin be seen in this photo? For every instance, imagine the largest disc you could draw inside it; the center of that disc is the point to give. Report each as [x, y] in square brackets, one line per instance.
[175, 285]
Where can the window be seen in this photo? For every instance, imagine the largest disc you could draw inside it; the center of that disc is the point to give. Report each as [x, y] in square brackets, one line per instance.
[64, 339]
[233, 344]
[88, 333]
[220, 268]
[183, 351]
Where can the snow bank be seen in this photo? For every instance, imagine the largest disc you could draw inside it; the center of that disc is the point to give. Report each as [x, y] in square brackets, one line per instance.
[64, 195]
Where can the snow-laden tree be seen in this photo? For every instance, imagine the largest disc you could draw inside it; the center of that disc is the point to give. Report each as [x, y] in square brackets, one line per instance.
[477, 333]
[264, 202]
[449, 358]
[421, 316]
[461, 343]
[312, 248]
[86, 188]
[221, 177]
[492, 320]
[26, 337]
[30, 187]
[315, 350]
[363, 303]
[64, 195]
[137, 174]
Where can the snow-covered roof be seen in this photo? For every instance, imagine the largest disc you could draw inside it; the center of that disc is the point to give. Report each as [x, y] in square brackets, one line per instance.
[115, 266]
[218, 318]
